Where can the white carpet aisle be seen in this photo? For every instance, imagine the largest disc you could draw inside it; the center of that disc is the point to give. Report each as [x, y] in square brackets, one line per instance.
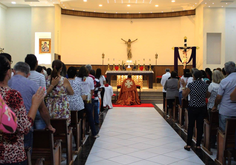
[138, 136]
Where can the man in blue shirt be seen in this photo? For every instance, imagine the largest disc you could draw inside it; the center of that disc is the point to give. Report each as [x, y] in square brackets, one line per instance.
[27, 89]
[227, 108]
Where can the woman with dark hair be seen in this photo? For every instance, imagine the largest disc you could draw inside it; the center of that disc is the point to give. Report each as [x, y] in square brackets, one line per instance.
[39, 69]
[172, 90]
[49, 71]
[185, 77]
[87, 84]
[75, 100]
[57, 100]
[12, 145]
[204, 77]
[196, 106]
[102, 81]
[209, 73]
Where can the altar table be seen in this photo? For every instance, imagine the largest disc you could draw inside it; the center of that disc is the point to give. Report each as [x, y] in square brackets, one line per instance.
[148, 73]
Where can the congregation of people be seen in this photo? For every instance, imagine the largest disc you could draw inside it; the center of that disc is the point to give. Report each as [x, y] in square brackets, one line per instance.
[36, 95]
[204, 91]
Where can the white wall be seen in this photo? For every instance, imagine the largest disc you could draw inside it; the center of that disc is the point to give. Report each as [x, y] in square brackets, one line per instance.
[199, 36]
[18, 33]
[2, 26]
[214, 22]
[43, 20]
[230, 34]
[83, 39]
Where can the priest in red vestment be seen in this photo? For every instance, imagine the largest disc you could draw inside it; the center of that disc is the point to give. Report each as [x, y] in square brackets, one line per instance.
[128, 93]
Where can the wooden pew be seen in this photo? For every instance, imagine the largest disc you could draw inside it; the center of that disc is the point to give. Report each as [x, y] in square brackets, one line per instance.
[226, 142]
[64, 133]
[44, 147]
[184, 104]
[185, 120]
[84, 123]
[39, 161]
[76, 129]
[210, 129]
[28, 154]
[175, 109]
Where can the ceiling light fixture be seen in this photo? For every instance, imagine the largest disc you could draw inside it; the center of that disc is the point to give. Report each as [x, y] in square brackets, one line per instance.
[13, 3]
[100, 5]
[209, 6]
[172, 0]
[85, 0]
[213, 3]
[128, 5]
[226, 3]
[156, 5]
[107, 1]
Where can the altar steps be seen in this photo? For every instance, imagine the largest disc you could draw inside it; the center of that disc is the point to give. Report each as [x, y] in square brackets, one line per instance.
[147, 97]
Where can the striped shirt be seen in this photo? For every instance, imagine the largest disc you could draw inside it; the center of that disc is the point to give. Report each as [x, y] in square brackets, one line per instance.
[38, 78]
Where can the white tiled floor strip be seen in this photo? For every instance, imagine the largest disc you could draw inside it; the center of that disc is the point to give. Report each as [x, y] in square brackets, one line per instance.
[139, 136]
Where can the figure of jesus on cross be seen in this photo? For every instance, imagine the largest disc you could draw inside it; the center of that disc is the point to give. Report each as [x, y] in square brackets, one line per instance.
[185, 50]
[129, 42]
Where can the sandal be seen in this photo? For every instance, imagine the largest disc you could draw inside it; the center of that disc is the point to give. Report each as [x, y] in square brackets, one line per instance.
[187, 148]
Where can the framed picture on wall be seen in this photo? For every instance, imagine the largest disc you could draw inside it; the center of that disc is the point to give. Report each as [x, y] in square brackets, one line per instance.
[44, 45]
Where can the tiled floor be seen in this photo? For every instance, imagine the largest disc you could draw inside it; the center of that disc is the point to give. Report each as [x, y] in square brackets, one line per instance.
[138, 136]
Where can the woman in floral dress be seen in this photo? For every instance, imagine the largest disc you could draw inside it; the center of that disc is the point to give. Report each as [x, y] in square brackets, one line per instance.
[56, 100]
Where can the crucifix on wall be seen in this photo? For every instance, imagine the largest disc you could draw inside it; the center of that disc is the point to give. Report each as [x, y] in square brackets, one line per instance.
[184, 59]
[129, 42]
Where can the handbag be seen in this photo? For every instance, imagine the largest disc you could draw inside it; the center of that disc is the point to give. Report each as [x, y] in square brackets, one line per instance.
[8, 119]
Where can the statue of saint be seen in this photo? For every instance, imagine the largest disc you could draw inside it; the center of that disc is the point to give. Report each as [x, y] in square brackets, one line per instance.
[129, 53]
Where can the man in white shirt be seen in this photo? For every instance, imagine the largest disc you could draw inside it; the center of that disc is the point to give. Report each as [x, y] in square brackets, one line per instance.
[164, 78]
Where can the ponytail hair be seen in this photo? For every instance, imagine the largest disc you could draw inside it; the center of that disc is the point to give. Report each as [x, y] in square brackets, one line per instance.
[56, 66]
[197, 75]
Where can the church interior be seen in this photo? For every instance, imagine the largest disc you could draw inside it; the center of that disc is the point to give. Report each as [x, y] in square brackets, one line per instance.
[120, 37]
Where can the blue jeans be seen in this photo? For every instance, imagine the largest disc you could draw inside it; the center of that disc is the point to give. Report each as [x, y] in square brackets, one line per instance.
[20, 163]
[222, 121]
[28, 140]
[180, 97]
[96, 109]
[39, 122]
[89, 113]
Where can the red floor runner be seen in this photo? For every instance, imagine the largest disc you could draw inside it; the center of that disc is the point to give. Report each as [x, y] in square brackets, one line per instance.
[141, 105]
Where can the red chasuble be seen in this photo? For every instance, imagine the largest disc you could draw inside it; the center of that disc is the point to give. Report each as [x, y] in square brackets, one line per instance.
[128, 94]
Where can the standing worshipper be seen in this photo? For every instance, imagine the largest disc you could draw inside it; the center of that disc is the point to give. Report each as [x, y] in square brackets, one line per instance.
[56, 99]
[12, 145]
[39, 79]
[102, 81]
[196, 106]
[172, 91]
[227, 85]
[87, 89]
[164, 78]
[17, 82]
[95, 99]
